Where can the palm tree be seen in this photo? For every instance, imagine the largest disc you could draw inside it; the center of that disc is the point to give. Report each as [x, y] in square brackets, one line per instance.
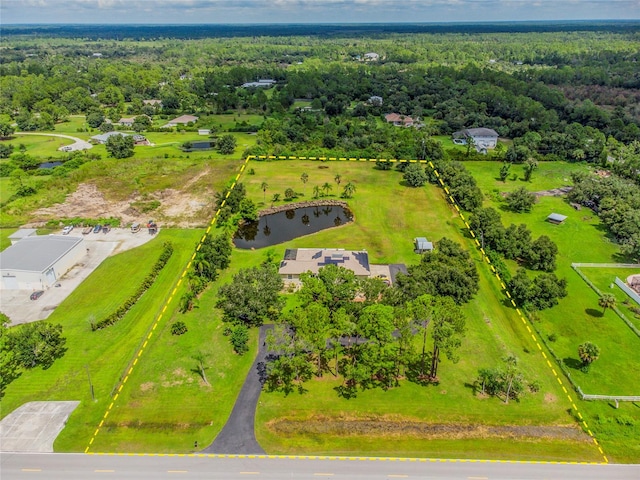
[349, 190]
[316, 191]
[201, 359]
[305, 178]
[327, 187]
[607, 300]
[588, 353]
[338, 178]
[264, 186]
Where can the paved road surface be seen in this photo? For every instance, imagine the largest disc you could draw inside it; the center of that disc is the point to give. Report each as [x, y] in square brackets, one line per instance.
[88, 467]
[78, 145]
[238, 434]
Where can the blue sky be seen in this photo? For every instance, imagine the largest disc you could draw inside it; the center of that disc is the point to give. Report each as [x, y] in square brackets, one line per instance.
[310, 11]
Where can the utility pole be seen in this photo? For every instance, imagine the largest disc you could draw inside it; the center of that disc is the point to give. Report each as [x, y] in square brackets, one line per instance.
[93, 397]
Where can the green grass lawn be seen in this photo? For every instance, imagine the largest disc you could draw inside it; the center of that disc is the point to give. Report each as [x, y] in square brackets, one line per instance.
[547, 176]
[604, 279]
[40, 145]
[577, 318]
[106, 352]
[387, 218]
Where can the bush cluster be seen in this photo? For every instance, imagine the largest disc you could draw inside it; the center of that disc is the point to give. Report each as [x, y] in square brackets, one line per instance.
[146, 284]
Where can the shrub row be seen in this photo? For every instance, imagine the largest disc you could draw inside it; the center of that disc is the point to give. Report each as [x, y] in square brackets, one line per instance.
[146, 284]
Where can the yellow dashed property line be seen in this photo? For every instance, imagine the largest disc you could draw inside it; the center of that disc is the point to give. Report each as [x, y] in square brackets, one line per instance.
[164, 308]
[342, 459]
[502, 284]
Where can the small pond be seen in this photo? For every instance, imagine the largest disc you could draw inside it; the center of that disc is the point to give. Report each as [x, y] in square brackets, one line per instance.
[284, 226]
[200, 146]
[48, 165]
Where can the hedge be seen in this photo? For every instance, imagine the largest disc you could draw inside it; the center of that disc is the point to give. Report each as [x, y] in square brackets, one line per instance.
[146, 284]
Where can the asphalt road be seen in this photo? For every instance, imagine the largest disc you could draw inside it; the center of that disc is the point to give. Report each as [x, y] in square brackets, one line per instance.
[238, 434]
[57, 466]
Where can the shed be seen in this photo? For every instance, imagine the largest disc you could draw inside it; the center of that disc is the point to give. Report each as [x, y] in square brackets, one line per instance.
[556, 218]
[422, 245]
[35, 263]
[22, 233]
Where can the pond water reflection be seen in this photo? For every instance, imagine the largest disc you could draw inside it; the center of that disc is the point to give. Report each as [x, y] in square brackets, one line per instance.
[284, 226]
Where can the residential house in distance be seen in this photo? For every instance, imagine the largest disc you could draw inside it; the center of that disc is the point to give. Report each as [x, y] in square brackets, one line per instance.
[483, 138]
[103, 137]
[371, 57]
[127, 122]
[181, 120]
[375, 100]
[153, 102]
[262, 83]
[402, 120]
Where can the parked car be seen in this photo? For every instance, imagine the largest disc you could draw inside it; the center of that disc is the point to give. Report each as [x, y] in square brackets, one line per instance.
[135, 228]
[106, 229]
[87, 230]
[97, 229]
[36, 295]
[67, 230]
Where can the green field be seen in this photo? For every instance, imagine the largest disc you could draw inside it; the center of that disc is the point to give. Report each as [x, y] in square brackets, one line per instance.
[387, 217]
[105, 354]
[604, 280]
[578, 318]
[164, 406]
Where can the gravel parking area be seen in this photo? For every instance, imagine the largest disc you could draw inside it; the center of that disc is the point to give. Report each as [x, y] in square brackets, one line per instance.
[20, 309]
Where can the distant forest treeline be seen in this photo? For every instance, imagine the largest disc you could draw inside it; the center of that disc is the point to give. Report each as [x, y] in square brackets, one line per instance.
[137, 32]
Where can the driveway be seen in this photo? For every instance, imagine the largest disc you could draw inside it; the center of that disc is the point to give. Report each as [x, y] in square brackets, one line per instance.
[78, 145]
[238, 435]
[20, 309]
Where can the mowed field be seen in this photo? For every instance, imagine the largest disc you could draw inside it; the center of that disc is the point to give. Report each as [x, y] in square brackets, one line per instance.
[578, 318]
[388, 216]
[164, 406]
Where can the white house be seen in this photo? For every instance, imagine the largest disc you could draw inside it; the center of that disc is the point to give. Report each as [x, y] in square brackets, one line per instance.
[483, 138]
[371, 57]
[36, 263]
[262, 83]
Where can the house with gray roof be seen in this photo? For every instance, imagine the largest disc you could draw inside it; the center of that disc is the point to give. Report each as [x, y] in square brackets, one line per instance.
[36, 263]
[103, 137]
[483, 138]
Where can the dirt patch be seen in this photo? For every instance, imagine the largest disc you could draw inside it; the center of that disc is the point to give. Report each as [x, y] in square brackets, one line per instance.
[179, 208]
[549, 398]
[383, 427]
[554, 192]
[145, 387]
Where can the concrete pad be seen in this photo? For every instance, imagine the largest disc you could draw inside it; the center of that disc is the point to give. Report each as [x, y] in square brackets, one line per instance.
[17, 305]
[34, 426]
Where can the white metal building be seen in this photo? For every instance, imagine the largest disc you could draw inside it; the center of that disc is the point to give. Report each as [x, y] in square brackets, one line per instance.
[36, 263]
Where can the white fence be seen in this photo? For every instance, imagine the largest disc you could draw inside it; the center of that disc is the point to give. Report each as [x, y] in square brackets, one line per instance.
[628, 291]
[615, 398]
